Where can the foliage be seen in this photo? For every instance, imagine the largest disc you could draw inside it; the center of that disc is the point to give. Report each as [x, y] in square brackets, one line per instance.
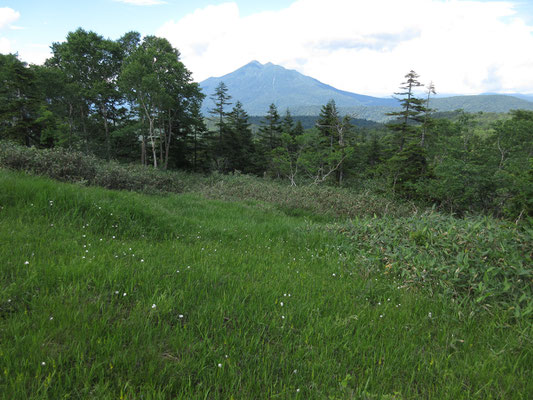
[475, 259]
[70, 166]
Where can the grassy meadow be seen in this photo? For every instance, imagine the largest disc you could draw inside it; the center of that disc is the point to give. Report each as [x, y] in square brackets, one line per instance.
[120, 295]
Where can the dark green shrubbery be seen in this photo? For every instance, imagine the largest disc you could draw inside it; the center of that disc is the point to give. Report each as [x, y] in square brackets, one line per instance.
[76, 167]
[477, 258]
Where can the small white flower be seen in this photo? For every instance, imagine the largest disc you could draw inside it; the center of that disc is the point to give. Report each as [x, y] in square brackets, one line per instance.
[26, 263]
[83, 236]
[83, 257]
[381, 316]
[113, 237]
[298, 390]
[124, 294]
[219, 365]
[379, 303]
[226, 356]
[429, 314]
[142, 260]
[289, 295]
[43, 363]
[154, 306]
[101, 239]
[295, 371]
[284, 294]
[51, 318]
[281, 304]
[178, 271]
[9, 300]
[180, 316]
[116, 291]
[51, 224]
[333, 274]
[283, 317]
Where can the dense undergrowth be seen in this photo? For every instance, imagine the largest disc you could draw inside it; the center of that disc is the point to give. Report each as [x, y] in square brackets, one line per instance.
[78, 168]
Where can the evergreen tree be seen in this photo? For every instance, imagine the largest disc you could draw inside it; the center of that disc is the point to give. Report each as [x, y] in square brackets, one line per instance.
[221, 98]
[238, 145]
[335, 138]
[270, 131]
[405, 124]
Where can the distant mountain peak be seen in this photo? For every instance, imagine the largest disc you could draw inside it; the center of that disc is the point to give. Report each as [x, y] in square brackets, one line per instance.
[253, 63]
[258, 85]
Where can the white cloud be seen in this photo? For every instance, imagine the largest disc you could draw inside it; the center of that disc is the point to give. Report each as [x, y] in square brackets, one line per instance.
[35, 53]
[7, 16]
[367, 46]
[142, 2]
[5, 46]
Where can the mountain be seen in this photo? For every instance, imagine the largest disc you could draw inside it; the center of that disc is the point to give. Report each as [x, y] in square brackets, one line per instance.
[486, 103]
[258, 85]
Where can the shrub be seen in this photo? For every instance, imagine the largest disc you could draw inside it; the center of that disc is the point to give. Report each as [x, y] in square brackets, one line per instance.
[76, 167]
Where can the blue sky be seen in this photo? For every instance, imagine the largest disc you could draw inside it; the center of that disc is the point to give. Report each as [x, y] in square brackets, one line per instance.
[365, 46]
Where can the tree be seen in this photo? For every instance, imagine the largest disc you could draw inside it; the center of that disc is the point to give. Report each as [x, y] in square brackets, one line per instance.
[335, 132]
[161, 89]
[412, 113]
[427, 117]
[221, 98]
[270, 131]
[238, 145]
[19, 101]
[90, 65]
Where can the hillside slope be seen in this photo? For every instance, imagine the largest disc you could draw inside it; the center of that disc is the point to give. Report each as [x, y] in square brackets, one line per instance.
[108, 294]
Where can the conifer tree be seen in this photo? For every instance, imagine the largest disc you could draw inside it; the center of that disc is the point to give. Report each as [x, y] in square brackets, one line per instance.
[238, 145]
[221, 98]
[412, 113]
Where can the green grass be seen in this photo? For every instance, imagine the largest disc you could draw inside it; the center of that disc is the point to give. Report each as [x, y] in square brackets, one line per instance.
[82, 268]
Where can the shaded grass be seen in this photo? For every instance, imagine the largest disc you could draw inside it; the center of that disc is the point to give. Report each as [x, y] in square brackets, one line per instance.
[346, 330]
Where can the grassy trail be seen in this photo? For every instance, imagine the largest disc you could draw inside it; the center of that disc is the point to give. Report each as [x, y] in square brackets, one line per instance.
[117, 295]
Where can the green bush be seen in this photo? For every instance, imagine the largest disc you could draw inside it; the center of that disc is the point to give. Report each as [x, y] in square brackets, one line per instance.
[477, 258]
[76, 167]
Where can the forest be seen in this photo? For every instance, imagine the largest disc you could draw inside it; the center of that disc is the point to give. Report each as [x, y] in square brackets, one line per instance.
[133, 101]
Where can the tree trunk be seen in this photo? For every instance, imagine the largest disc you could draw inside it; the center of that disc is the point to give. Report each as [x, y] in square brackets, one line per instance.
[106, 129]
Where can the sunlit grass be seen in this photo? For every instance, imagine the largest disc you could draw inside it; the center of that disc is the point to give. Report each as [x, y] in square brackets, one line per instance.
[120, 295]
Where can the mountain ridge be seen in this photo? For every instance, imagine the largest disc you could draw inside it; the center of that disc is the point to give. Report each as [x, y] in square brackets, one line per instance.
[258, 85]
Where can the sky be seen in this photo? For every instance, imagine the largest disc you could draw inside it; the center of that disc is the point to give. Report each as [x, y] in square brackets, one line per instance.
[362, 46]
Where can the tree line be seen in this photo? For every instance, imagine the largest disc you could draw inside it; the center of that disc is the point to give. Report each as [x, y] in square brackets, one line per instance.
[133, 100]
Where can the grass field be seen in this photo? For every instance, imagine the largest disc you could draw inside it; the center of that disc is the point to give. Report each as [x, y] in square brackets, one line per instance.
[119, 295]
